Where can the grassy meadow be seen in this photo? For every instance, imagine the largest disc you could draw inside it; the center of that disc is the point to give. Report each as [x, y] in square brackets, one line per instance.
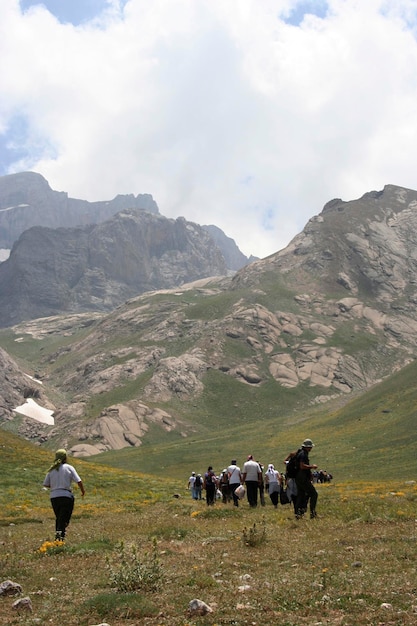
[373, 437]
[136, 554]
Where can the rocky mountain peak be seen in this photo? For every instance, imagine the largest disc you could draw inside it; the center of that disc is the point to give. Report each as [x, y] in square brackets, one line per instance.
[365, 245]
[97, 267]
[329, 316]
[27, 200]
[71, 255]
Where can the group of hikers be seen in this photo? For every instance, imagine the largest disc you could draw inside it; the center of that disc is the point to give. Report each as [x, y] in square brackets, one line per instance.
[295, 485]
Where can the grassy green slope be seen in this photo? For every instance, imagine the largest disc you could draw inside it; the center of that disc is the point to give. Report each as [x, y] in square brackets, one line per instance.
[371, 437]
[23, 467]
[358, 556]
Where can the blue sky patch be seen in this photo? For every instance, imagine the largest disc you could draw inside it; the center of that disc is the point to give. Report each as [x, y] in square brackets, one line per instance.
[13, 143]
[311, 7]
[268, 215]
[19, 143]
[70, 11]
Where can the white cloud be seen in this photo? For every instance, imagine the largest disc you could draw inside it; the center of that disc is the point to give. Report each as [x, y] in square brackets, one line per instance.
[222, 109]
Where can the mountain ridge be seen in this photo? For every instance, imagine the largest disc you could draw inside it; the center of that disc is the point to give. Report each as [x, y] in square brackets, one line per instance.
[71, 255]
[97, 267]
[27, 200]
[317, 323]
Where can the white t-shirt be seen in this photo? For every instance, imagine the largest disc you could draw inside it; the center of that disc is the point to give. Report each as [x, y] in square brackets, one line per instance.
[233, 472]
[252, 470]
[59, 481]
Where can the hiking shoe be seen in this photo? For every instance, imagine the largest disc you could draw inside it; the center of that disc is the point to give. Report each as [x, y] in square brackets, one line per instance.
[313, 515]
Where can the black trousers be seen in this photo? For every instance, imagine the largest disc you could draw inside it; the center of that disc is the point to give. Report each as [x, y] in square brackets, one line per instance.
[274, 495]
[232, 488]
[63, 507]
[210, 493]
[252, 492]
[305, 491]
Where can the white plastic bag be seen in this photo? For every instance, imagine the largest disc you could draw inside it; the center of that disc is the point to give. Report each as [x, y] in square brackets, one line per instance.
[240, 492]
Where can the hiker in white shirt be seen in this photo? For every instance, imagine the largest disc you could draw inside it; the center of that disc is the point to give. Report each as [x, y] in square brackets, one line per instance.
[235, 479]
[252, 476]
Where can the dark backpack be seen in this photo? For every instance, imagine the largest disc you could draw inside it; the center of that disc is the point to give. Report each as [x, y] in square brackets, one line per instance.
[197, 481]
[293, 465]
[209, 478]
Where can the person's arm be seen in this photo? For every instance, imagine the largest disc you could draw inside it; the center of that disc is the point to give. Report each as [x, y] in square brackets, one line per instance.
[304, 466]
[81, 486]
[289, 456]
[243, 477]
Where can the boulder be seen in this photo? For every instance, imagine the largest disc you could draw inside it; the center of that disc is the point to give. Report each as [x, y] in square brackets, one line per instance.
[10, 588]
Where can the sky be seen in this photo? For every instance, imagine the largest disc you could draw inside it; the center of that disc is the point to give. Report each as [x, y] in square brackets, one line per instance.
[246, 114]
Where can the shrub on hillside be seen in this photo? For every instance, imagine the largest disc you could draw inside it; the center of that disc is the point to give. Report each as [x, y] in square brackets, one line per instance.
[129, 571]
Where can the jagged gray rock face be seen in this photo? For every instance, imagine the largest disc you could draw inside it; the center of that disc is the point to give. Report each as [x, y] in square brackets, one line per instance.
[15, 388]
[234, 258]
[71, 263]
[27, 200]
[331, 315]
[367, 246]
[13, 383]
[100, 266]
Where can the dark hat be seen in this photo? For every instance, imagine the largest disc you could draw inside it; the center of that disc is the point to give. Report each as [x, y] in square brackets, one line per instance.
[307, 443]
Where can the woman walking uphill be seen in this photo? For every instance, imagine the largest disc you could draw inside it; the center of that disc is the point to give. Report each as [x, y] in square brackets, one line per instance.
[59, 478]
